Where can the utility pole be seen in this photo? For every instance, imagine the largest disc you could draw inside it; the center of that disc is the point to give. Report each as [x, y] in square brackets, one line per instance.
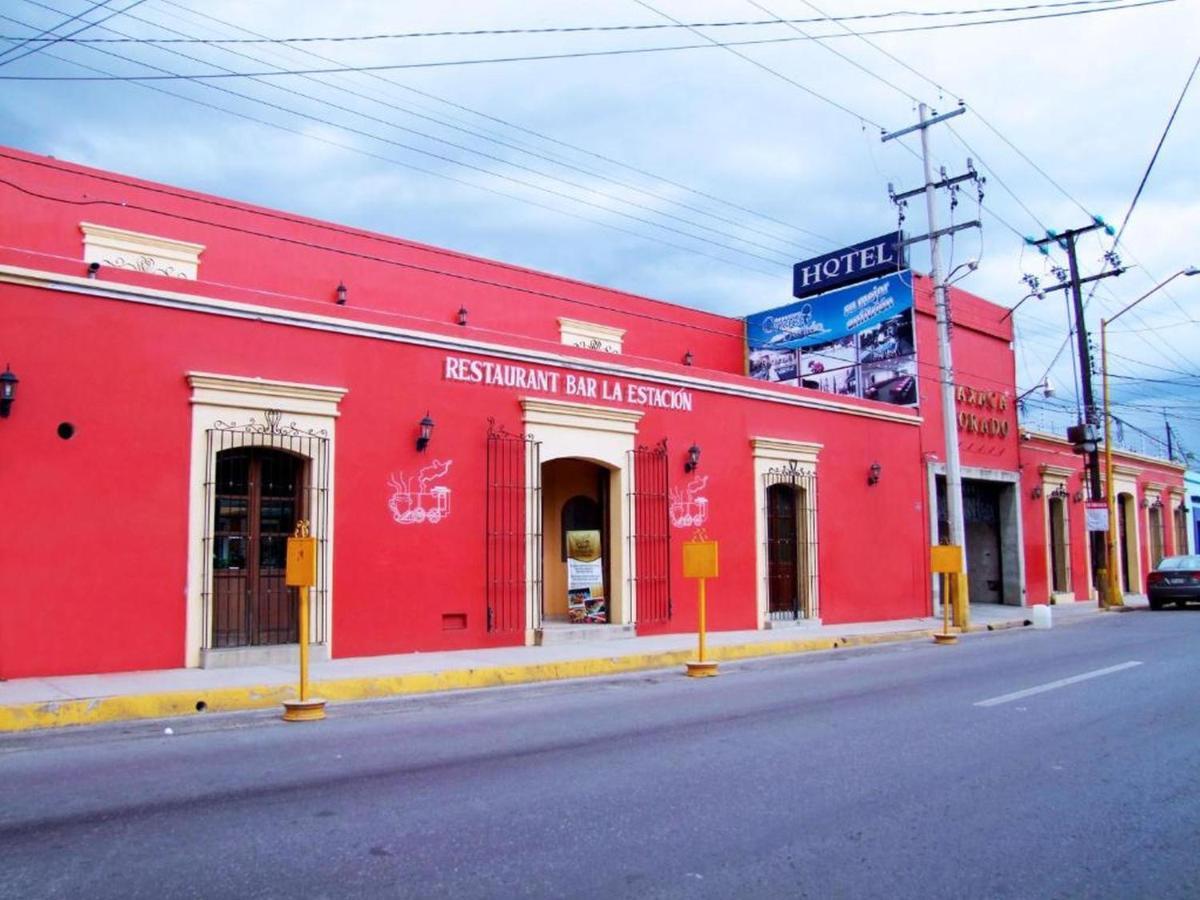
[1170, 448]
[1085, 436]
[954, 505]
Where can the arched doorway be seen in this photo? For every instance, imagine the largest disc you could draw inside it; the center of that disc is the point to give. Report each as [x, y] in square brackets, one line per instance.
[1060, 553]
[577, 557]
[258, 495]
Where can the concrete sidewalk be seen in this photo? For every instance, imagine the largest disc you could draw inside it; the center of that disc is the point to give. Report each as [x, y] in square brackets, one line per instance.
[31, 703]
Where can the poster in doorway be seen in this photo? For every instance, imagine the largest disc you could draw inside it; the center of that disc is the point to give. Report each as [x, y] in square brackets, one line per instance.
[585, 578]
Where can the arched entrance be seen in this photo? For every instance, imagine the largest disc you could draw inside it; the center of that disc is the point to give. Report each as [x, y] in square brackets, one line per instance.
[258, 495]
[577, 557]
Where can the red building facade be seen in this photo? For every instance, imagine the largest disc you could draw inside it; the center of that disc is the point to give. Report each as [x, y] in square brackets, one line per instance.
[197, 375]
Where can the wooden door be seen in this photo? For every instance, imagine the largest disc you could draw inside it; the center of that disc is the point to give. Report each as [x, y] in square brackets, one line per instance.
[782, 552]
[257, 502]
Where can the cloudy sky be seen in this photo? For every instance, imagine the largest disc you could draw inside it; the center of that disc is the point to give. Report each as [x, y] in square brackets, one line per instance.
[686, 171]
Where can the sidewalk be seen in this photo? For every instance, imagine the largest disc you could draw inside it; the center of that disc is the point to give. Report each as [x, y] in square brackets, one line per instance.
[30, 703]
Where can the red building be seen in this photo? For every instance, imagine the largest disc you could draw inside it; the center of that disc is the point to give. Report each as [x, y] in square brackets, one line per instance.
[196, 375]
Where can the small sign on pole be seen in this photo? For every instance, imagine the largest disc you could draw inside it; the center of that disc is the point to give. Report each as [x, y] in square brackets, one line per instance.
[1096, 515]
[700, 562]
[301, 573]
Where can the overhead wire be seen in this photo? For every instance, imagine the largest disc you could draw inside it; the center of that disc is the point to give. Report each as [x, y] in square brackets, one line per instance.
[40, 40]
[574, 29]
[469, 166]
[539, 136]
[568, 55]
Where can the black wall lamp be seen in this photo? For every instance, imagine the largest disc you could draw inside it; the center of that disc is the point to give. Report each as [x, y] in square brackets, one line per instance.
[8, 391]
[1079, 496]
[688, 359]
[693, 460]
[873, 473]
[426, 433]
[341, 294]
[462, 315]
[93, 268]
[1036, 493]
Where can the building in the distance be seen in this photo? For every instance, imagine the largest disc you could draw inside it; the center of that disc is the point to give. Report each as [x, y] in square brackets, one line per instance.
[487, 455]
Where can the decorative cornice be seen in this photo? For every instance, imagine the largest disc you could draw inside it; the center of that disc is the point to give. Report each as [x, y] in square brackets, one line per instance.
[259, 393]
[780, 448]
[277, 316]
[590, 336]
[575, 415]
[123, 249]
[1045, 469]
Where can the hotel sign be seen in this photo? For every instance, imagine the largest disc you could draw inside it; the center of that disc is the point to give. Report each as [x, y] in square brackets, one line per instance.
[850, 265]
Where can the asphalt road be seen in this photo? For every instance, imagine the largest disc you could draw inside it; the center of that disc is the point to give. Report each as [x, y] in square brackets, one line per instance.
[902, 771]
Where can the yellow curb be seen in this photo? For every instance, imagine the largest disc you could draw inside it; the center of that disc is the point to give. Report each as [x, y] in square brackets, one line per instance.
[28, 716]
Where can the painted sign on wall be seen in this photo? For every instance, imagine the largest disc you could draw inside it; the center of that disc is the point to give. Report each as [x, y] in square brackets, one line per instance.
[414, 502]
[850, 265]
[857, 341]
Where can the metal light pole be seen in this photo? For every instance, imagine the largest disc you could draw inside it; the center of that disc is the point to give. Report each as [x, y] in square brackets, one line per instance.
[1114, 595]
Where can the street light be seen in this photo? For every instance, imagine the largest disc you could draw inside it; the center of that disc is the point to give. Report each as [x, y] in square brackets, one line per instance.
[1113, 588]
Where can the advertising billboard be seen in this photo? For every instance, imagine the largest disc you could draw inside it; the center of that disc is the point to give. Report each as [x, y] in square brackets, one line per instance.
[857, 341]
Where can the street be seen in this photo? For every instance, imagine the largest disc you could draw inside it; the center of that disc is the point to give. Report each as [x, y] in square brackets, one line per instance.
[1023, 763]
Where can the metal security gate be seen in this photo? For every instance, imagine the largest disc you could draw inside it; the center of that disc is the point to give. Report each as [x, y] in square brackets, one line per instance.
[649, 511]
[513, 529]
[790, 513]
[260, 478]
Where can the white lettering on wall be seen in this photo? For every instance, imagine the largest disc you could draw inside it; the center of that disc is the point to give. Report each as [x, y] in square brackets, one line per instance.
[580, 387]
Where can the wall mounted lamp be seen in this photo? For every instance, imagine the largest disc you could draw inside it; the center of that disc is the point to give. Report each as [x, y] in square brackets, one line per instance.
[1079, 496]
[341, 294]
[93, 268]
[1036, 493]
[426, 434]
[8, 391]
[873, 473]
[693, 460]
[1145, 504]
[688, 358]
[462, 315]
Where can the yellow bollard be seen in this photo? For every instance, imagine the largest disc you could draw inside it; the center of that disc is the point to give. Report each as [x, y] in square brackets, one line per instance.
[946, 560]
[302, 573]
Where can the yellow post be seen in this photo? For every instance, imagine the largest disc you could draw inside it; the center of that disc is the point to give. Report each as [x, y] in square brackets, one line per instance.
[700, 562]
[303, 643]
[301, 573]
[1113, 590]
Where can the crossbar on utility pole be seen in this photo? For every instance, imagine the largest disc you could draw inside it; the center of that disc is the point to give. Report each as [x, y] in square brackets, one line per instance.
[1067, 241]
[954, 505]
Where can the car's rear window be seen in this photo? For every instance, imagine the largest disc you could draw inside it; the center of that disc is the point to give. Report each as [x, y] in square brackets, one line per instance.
[1180, 562]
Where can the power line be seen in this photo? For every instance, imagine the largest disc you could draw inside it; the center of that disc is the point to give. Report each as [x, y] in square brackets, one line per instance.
[40, 39]
[627, 51]
[570, 29]
[480, 169]
[539, 136]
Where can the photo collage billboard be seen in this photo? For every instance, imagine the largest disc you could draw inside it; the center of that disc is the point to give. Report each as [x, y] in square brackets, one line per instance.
[857, 341]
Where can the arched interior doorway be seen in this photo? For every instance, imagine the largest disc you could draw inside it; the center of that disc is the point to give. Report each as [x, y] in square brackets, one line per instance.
[577, 548]
[788, 578]
[258, 497]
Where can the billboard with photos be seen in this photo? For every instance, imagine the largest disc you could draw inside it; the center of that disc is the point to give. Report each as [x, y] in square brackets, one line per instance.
[856, 341]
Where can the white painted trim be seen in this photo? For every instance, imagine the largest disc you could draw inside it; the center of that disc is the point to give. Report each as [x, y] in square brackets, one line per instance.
[228, 398]
[767, 453]
[589, 335]
[602, 435]
[70, 284]
[123, 249]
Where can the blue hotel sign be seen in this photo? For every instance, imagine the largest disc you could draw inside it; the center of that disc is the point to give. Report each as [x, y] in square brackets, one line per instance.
[850, 265]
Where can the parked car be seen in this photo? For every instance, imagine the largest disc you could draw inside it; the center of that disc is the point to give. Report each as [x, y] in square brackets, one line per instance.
[1175, 580]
